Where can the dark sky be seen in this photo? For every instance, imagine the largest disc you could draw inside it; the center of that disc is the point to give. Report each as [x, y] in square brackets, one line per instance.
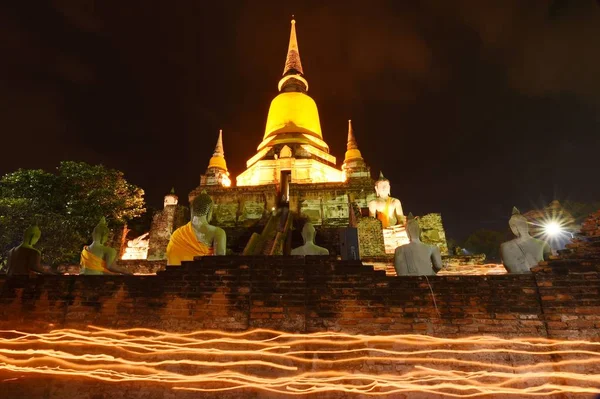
[468, 107]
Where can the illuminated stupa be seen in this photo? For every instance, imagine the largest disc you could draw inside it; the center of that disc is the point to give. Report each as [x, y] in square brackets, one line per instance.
[293, 141]
[293, 178]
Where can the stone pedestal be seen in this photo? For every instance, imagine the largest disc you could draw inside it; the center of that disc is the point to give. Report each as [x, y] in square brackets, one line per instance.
[393, 237]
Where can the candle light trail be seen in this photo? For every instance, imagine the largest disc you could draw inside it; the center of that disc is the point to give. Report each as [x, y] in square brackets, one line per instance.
[306, 364]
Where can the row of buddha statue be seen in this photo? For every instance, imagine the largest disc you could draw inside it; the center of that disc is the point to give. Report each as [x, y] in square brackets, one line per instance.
[518, 255]
[96, 258]
[200, 238]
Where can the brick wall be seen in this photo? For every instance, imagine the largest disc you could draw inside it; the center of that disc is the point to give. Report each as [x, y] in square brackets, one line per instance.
[311, 294]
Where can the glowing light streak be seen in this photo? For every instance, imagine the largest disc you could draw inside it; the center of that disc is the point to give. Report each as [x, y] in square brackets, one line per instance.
[306, 364]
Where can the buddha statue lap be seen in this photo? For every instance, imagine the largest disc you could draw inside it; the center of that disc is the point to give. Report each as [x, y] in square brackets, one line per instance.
[98, 259]
[309, 247]
[24, 259]
[522, 253]
[416, 258]
[386, 208]
[198, 237]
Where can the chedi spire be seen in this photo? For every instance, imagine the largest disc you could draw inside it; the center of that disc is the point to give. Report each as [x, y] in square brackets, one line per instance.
[218, 158]
[293, 64]
[219, 147]
[352, 151]
[352, 144]
[293, 74]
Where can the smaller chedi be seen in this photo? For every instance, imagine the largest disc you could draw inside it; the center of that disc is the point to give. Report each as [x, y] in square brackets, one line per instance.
[309, 247]
[24, 259]
[522, 253]
[386, 208]
[98, 259]
[416, 258]
[198, 237]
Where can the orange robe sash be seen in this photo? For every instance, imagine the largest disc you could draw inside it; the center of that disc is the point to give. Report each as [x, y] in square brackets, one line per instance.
[92, 264]
[385, 215]
[184, 246]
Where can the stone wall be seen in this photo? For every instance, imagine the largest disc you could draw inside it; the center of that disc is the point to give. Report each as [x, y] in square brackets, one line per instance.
[301, 295]
[586, 243]
[311, 294]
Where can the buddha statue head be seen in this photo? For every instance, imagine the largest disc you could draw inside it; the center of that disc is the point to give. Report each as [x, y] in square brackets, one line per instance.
[412, 228]
[31, 236]
[382, 186]
[308, 232]
[518, 224]
[100, 232]
[202, 206]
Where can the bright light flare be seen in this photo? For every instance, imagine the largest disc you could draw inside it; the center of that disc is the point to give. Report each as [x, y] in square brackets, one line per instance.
[553, 229]
[304, 364]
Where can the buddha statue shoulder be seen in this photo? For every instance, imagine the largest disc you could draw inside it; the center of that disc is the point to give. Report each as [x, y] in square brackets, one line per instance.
[198, 237]
[386, 208]
[309, 247]
[522, 253]
[416, 258]
[24, 259]
[97, 258]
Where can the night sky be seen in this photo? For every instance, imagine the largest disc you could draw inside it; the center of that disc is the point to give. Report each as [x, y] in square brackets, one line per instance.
[468, 107]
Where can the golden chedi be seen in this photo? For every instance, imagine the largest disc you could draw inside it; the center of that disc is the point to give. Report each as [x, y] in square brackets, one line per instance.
[293, 141]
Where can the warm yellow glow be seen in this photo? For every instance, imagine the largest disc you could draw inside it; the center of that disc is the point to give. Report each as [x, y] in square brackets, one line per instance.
[257, 157]
[321, 154]
[267, 171]
[288, 77]
[293, 112]
[217, 162]
[393, 237]
[137, 248]
[352, 154]
[225, 180]
[302, 364]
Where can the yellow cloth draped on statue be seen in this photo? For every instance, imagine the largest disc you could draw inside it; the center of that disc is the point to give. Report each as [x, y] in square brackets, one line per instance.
[184, 246]
[385, 215]
[92, 264]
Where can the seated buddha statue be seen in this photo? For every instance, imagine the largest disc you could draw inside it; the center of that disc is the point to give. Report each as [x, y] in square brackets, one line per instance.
[198, 237]
[416, 258]
[522, 253]
[98, 259]
[385, 208]
[24, 259]
[309, 247]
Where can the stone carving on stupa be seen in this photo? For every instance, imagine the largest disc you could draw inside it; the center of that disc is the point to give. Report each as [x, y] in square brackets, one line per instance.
[416, 258]
[98, 259]
[522, 253]
[24, 259]
[198, 237]
[309, 247]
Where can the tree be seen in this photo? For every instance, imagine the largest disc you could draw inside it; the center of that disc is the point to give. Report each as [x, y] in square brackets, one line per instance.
[66, 206]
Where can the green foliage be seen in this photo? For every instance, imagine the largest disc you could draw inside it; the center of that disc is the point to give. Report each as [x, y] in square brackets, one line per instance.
[66, 206]
[486, 242]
